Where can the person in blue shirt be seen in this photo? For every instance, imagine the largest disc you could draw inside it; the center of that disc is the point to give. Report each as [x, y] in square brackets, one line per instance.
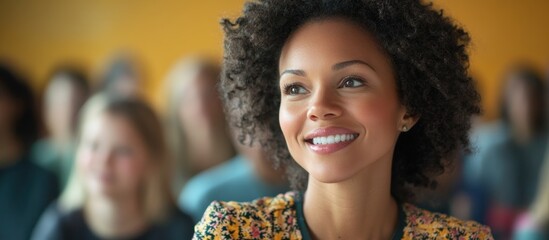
[245, 177]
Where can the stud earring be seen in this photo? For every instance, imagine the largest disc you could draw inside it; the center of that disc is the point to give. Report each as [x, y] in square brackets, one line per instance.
[404, 128]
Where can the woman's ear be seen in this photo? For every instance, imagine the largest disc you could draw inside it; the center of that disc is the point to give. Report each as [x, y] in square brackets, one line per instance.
[407, 121]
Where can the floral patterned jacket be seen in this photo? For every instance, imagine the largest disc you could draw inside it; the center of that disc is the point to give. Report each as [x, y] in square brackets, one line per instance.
[281, 218]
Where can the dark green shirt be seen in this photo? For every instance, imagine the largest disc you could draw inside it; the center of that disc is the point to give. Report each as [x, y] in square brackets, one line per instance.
[305, 230]
[25, 191]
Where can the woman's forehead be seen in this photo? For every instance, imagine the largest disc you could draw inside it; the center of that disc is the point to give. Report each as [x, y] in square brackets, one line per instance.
[328, 42]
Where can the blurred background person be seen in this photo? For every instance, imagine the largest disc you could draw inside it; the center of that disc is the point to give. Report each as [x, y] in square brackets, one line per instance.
[534, 223]
[120, 186]
[196, 127]
[511, 168]
[246, 177]
[471, 202]
[25, 188]
[123, 75]
[65, 93]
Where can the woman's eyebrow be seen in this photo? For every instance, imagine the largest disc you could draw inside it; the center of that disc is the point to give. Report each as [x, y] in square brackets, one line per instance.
[337, 66]
[294, 71]
[341, 65]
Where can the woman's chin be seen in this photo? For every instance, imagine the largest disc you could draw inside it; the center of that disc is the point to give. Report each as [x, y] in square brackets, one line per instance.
[330, 176]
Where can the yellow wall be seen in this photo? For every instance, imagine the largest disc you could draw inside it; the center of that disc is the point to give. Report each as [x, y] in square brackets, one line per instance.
[36, 35]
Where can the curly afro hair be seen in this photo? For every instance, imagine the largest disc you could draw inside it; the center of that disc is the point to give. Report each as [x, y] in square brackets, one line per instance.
[428, 54]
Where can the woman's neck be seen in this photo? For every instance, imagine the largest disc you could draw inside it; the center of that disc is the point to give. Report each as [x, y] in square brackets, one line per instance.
[359, 208]
[110, 219]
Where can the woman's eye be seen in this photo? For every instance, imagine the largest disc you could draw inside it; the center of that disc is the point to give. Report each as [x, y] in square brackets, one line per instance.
[351, 82]
[294, 89]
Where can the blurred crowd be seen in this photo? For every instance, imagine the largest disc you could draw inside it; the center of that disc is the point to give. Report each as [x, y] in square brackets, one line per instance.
[503, 180]
[92, 159]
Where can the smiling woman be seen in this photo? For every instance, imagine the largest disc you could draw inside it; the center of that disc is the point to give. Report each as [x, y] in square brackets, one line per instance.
[350, 91]
[357, 99]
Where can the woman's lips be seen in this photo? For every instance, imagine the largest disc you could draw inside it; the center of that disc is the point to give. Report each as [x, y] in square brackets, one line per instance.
[329, 140]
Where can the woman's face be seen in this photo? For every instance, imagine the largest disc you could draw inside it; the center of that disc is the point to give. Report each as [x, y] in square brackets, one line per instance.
[339, 110]
[60, 106]
[520, 103]
[200, 104]
[112, 158]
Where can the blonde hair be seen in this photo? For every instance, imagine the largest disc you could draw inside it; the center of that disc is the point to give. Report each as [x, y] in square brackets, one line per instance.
[157, 198]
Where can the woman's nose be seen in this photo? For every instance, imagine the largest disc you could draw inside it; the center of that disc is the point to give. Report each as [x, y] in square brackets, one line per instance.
[324, 106]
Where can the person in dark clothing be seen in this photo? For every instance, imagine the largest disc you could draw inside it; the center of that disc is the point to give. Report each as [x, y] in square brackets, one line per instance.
[73, 225]
[25, 188]
[510, 169]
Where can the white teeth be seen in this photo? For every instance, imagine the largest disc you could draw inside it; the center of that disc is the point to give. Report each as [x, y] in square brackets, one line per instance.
[331, 139]
[323, 140]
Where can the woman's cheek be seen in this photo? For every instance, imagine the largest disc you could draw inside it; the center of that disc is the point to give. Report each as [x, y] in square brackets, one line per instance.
[377, 113]
[131, 172]
[291, 121]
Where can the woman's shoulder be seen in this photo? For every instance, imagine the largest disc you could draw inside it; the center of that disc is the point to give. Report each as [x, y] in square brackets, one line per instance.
[423, 224]
[264, 218]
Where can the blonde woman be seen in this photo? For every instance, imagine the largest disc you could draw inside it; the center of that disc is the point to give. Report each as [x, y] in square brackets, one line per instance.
[119, 188]
[195, 123]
